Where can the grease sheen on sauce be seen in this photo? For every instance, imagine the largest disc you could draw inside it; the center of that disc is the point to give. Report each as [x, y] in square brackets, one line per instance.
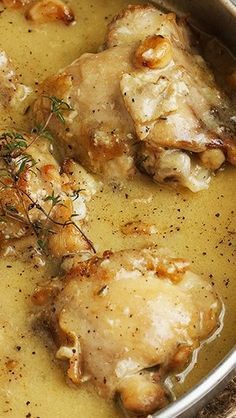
[194, 226]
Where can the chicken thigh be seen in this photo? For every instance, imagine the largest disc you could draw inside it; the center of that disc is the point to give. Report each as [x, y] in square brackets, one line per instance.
[126, 319]
[39, 197]
[98, 132]
[149, 98]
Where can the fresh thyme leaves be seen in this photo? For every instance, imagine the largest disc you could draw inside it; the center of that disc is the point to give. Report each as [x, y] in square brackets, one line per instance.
[47, 134]
[16, 202]
[12, 144]
[58, 107]
[55, 200]
[26, 162]
[42, 132]
[11, 208]
[12, 135]
[38, 226]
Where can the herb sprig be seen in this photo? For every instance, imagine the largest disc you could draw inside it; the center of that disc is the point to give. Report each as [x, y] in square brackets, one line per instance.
[14, 153]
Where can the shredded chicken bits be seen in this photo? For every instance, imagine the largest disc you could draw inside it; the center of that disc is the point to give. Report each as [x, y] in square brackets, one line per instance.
[118, 315]
[148, 100]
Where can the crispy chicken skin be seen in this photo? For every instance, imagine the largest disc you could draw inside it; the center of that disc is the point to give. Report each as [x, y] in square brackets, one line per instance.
[148, 92]
[126, 319]
[37, 195]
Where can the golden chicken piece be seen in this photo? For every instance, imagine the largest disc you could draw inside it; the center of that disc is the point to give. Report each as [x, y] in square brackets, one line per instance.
[173, 100]
[38, 197]
[12, 92]
[126, 319]
[98, 132]
[147, 93]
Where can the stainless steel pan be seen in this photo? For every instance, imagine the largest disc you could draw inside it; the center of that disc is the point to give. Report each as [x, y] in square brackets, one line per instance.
[216, 16]
[188, 405]
[219, 18]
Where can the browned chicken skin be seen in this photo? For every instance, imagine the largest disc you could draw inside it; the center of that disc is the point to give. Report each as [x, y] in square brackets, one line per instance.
[148, 99]
[126, 319]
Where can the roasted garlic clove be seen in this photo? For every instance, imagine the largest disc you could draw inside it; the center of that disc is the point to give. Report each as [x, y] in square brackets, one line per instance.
[154, 52]
[141, 395]
[43, 11]
[212, 158]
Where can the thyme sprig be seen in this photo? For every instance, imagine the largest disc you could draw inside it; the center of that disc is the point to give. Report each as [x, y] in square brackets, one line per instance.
[58, 223]
[14, 153]
[58, 107]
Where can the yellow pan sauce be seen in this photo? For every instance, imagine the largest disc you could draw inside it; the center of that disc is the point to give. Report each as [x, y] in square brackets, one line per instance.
[196, 226]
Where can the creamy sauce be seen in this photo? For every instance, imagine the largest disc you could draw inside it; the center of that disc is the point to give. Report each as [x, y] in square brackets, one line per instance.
[32, 383]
